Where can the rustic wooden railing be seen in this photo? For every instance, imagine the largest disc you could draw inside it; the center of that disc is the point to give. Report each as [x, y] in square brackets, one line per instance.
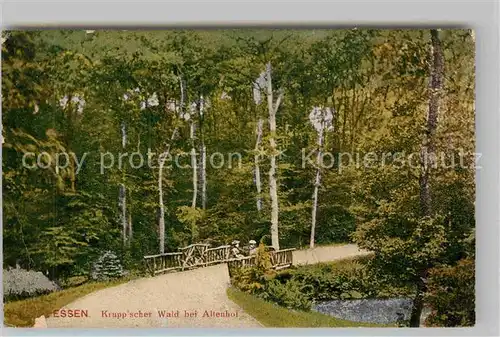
[193, 255]
[240, 262]
[198, 255]
[282, 258]
[279, 259]
[161, 263]
[217, 255]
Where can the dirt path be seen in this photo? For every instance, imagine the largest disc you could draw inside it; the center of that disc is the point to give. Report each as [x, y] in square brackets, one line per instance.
[198, 290]
[326, 253]
[200, 293]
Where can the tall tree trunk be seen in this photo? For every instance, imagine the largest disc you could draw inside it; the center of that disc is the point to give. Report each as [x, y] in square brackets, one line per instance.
[203, 154]
[428, 145]
[123, 193]
[203, 176]
[163, 157]
[427, 155]
[258, 183]
[273, 185]
[123, 212]
[161, 224]
[317, 183]
[161, 221]
[194, 165]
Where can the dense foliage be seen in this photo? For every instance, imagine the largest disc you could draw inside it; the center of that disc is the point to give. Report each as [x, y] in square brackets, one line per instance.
[109, 99]
[299, 287]
[451, 295]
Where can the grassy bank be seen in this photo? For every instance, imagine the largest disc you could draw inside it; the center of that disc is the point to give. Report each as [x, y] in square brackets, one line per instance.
[23, 313]
[273, 316]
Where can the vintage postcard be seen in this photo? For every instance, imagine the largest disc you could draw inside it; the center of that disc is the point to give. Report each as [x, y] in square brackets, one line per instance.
[238, 178]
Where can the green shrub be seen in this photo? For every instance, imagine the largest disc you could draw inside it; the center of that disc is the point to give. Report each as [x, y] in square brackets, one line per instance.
[253, 279]
[289, 295]
[263, 259]
[348, 279]
[298, 287]
[450, 293]
[107, 267]
[250, 279]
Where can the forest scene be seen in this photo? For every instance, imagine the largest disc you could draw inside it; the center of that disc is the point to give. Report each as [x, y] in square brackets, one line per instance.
[356, 146]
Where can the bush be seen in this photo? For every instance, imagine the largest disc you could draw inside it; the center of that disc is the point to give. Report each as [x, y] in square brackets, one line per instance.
[19, 283]
[344, 279]
[349, 279]
[250, 279]
[289, 295]
[299, 287]
[253, 279]
[450, 293]
[107, 267]
[259, 282]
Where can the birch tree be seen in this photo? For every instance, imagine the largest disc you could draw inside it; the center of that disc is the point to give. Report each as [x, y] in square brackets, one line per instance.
[194, 165]
[197, 109]
[203, 153]
[258, 85]
[123, 192]
[321, 119]
[126, 220]
[125, 213]
[161, 164]
[273, 185]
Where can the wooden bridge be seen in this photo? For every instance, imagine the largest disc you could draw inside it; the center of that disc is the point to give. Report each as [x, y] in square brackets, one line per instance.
[201, 255]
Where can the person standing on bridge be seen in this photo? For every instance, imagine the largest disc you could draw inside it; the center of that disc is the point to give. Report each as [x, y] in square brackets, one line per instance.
[235, 249]
[252, 247]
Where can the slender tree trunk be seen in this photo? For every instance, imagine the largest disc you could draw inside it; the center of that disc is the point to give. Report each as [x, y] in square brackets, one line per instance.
[161, 221]
[317, 183]
[427, 155]
[273, 185]
[428, 147]
[194, 165]
[203, 159]
[161, 161]
[203, 176]
[123, 193]
[258, 183]
[123, 212]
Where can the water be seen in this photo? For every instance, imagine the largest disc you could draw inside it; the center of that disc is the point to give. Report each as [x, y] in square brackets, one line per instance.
[383, 311]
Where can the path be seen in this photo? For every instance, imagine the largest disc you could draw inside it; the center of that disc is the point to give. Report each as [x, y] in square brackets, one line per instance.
[326, 253]
[201, 290]
[195, 290]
